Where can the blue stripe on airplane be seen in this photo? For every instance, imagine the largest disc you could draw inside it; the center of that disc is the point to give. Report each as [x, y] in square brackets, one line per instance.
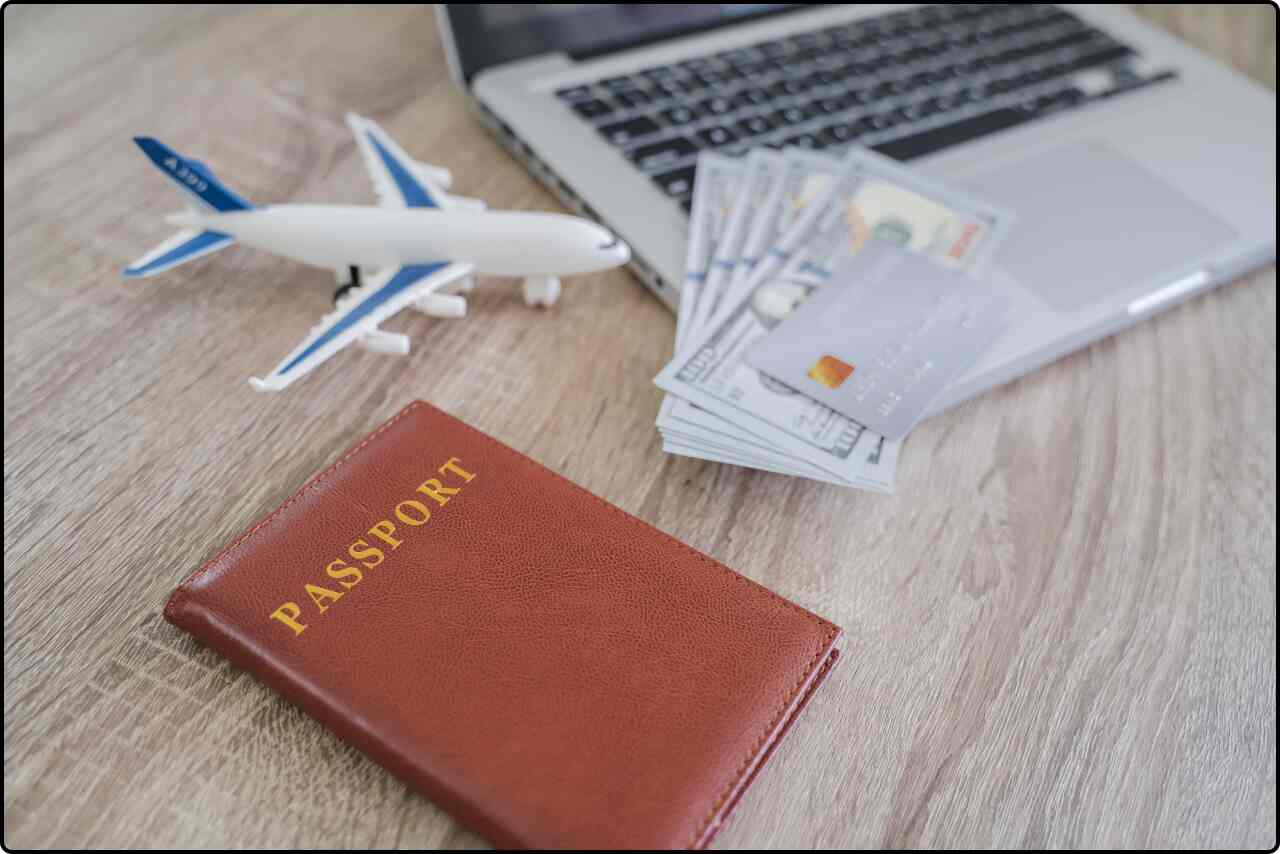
[403, 278]
[414, 194]
[205, 241]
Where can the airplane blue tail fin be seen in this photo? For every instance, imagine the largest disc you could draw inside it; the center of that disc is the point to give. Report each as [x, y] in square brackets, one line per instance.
[199, 183]
[192, 176]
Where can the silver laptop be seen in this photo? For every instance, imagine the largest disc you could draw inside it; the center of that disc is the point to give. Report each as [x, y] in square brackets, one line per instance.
[1141, 171]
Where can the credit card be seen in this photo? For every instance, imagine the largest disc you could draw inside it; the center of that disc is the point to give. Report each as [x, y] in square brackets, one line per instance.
[884, 337]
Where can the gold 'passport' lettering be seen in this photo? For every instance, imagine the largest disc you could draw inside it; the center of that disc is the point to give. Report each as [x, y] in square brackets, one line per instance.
[343, 573]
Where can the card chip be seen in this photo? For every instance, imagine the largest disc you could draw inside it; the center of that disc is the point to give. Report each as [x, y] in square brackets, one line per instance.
[830, 371]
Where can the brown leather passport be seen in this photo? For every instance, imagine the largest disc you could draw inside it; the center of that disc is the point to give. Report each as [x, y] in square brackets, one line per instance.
[552, 671]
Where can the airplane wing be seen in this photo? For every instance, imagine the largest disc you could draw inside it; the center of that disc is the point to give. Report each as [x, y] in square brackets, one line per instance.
[184, 246]
[356, 317]
[398, 179]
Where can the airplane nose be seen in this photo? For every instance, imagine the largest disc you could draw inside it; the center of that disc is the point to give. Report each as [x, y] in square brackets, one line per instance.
[622, 253]
[615, 250]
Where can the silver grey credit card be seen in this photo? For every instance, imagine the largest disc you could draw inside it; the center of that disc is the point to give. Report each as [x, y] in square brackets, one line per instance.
[883, 337]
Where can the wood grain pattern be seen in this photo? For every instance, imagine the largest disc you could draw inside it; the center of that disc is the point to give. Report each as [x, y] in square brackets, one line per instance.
[1061, 630]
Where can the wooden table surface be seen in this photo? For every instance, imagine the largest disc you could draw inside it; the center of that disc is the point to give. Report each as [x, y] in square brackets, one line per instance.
[1061, 631]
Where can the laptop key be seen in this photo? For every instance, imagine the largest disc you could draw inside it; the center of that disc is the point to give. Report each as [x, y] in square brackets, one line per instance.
[873, 122]
[793, 115]
[714, 137]
[856, 98]
[918, 145]
[1106, 55]
[711, 79]
[573, 93]
[660, 72]
[717, 106]
[838, 134]
[621, 133]
[824, 77]
[592, 109]
[617, 84]
[805, 39]
[787, 86]
[757, 72]
[889, 88]
[633, 98]
[681, 115]
[739, 56]
[698, 63]
[677, 182]
[671, 87]
[754, 126]
[655, 155]
[804, 140]
[828, 105]
[751, 97]
[908, 113]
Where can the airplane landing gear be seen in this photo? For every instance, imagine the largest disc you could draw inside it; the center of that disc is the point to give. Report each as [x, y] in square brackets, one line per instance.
[541, 290]
[348, 280]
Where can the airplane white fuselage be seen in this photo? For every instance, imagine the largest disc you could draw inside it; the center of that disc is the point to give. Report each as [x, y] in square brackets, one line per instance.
[498, 243]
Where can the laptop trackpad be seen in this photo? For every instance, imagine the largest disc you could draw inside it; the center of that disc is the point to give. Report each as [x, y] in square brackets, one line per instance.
[1091, 222]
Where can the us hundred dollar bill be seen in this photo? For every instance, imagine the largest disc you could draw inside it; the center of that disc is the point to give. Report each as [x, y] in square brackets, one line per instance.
[761, 169]
[806, 179]
[714, 192]
[805, 176]
[871, 199]
[756, 197]
[803, 181]
[715, 189]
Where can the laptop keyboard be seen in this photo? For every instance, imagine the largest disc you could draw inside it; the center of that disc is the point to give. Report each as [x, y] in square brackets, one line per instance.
[904, 84]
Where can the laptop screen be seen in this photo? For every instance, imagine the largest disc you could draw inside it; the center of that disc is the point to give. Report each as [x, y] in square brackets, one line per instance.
[488, 34]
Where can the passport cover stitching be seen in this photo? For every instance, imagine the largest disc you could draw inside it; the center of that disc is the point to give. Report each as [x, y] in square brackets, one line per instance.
[764, 740]
[829, 630]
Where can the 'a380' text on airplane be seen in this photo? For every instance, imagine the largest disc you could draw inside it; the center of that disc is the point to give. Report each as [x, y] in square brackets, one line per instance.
[417, 249]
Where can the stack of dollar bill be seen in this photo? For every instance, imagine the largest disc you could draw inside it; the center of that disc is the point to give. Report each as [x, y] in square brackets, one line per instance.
[765, 231]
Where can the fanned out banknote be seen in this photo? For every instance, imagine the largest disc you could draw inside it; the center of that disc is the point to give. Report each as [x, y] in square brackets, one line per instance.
[765, 233]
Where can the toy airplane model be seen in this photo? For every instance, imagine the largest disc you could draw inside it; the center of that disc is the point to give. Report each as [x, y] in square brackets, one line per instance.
[420, 246]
